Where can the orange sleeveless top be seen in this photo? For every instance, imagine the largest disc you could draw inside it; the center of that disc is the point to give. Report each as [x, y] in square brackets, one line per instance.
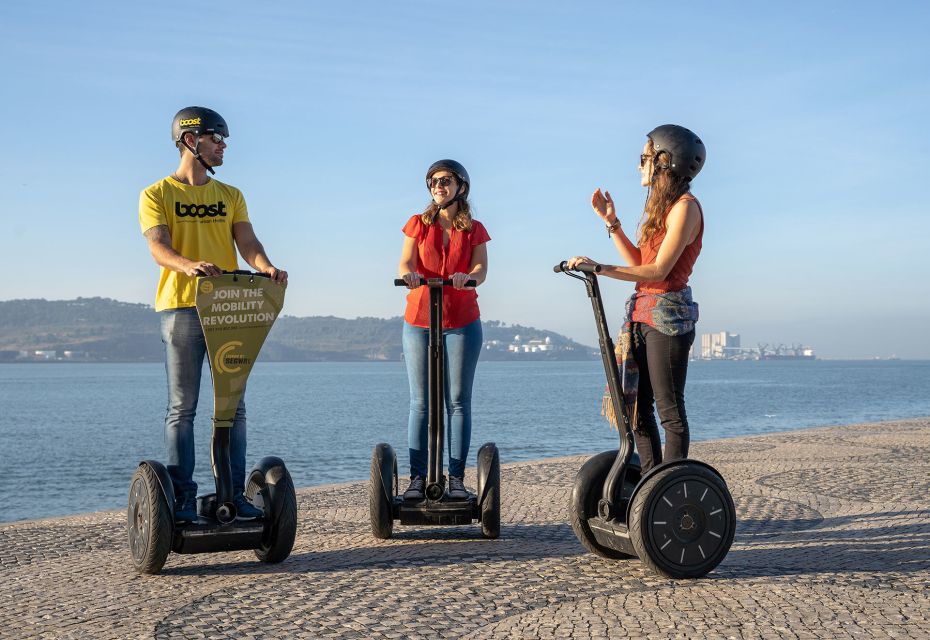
[678, 277]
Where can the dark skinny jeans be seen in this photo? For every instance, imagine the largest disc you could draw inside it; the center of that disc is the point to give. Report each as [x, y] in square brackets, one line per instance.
[663, 367]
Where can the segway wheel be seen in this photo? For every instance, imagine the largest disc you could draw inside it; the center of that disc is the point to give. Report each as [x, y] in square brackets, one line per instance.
[381, 490]
[489, 490]
[149, 522]
[587, 492]
[682, 520]
[270, 486]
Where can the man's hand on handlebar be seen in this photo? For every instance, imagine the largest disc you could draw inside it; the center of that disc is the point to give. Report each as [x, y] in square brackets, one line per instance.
[276, 275]
[202, 269]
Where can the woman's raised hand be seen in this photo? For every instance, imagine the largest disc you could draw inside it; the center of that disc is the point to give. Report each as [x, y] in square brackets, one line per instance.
[604, 206]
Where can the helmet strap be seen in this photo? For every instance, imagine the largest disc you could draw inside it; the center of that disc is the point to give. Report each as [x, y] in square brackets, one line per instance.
[455, 198]
[195, 151]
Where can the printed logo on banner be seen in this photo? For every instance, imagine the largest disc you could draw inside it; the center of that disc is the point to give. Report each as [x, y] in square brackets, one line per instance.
[226, 361]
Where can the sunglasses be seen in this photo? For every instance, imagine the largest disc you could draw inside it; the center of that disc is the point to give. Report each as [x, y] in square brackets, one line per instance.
[643, 157]
[216, 137]
[443, 181]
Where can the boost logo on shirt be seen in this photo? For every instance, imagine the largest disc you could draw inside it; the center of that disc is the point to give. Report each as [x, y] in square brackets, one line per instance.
[200, 210]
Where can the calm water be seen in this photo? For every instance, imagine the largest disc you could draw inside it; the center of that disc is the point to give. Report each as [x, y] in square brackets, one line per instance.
[72, 434]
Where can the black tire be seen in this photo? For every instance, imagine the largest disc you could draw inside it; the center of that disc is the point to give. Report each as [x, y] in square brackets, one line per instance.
[682, 520]
[279, 502]
[587, 492]
[149, 522]
[489, 491]
[381, 491]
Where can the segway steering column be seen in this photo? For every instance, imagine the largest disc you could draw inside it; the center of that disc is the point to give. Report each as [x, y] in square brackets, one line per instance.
[435, 481]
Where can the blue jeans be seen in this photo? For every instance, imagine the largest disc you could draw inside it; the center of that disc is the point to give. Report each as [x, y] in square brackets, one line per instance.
[461, 348]
[185, 348]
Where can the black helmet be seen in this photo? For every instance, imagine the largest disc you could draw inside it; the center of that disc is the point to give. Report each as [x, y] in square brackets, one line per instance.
[685, 149]
[199, 121]
[453, 167]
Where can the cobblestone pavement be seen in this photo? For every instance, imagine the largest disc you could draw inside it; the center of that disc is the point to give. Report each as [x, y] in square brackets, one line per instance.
[833, 541]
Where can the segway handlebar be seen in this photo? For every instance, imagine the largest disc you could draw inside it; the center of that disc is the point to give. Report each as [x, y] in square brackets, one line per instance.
[584, 268]
[400, 282]
[237, 272]
[244, 272]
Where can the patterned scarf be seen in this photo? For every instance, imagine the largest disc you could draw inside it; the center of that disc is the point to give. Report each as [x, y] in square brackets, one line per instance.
[673, 313]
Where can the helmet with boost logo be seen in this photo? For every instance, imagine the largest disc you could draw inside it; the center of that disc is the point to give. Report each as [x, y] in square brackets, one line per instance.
[685, 150]
[199, 121]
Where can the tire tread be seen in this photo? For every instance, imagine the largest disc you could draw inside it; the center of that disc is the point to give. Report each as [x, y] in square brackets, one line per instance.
[382, 520]
[580, 523]
[284, 528]
[160, 532]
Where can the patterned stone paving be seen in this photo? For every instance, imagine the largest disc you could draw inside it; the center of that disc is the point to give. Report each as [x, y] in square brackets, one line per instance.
[833, 541]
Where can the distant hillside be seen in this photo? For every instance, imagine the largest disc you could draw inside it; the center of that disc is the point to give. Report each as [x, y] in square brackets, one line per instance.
[92, 329]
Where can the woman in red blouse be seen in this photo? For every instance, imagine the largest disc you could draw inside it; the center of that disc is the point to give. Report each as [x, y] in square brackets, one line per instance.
[443, 242]
[661, 314]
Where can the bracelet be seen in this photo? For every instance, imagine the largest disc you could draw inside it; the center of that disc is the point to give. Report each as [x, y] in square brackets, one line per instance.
[613, 227]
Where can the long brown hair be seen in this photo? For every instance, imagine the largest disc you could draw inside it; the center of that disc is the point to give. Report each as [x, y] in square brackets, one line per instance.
[462, 219]
[664, 191]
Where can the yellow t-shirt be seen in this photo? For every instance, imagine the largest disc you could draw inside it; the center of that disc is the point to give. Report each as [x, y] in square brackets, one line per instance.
[200, 220]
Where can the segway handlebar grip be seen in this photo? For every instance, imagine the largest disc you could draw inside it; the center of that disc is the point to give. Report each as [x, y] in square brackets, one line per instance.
[584, 268]
[400, 282]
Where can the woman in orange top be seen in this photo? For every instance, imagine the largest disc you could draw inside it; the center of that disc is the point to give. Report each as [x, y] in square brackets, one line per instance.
[659, 328]
[443, 242]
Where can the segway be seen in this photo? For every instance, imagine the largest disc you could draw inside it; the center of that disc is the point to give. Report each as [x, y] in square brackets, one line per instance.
[236, 310]
[435, 508]
[678, 518]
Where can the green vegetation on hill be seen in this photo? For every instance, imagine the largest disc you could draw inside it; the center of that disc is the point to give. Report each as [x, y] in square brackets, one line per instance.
[105, 329]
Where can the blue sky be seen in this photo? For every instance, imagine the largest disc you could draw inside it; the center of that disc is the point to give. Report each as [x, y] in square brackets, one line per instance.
[815, 116]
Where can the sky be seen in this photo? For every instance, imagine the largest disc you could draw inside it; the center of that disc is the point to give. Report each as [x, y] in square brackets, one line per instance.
[815, 116]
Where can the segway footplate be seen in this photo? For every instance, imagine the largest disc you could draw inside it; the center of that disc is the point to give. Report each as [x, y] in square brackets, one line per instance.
[612, 534]
[204, 536]
[438, 512]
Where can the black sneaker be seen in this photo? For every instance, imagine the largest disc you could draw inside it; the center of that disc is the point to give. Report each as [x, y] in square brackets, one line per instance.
[457, 488]
[245, 510]
[415, 490]
[185, 509]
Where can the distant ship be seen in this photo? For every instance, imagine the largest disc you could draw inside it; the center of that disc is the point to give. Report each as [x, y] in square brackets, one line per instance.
[726, 346]
[788, 356]
[781, 352]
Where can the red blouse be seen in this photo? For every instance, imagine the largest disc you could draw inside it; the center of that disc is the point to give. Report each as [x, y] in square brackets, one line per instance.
[459, 308]
[677, 278]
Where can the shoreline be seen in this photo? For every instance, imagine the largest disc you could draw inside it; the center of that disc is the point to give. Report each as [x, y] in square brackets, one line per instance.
[504, 465]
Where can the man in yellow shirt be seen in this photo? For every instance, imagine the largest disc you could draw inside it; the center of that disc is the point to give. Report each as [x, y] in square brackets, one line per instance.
[194, 224]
